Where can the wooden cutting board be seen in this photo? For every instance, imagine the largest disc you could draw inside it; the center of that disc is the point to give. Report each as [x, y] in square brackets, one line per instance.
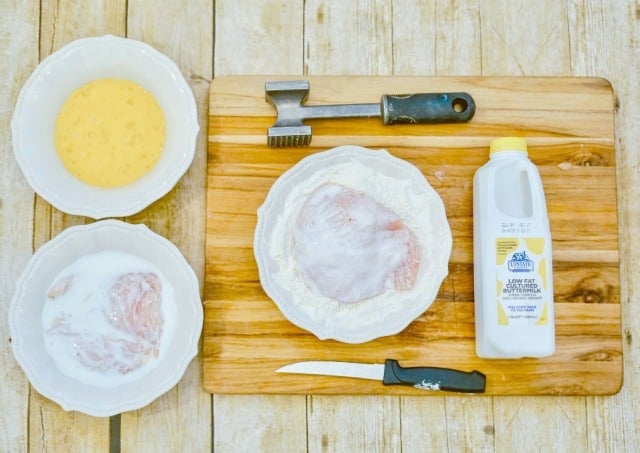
[569, 126]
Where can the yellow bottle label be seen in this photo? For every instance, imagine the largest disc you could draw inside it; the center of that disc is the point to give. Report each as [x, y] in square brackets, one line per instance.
[521, 281]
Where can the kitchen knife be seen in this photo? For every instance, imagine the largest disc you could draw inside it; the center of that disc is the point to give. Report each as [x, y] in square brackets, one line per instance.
[391, 373]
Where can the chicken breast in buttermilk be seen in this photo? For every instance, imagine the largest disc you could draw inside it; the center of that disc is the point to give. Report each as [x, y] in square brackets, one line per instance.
[134, 312]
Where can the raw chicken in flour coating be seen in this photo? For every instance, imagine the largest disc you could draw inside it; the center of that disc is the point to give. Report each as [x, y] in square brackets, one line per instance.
[350, 247]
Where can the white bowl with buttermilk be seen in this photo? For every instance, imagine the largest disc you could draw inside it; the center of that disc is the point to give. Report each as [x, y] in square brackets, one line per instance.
[352, 244]
[36, 135]
[106, 317]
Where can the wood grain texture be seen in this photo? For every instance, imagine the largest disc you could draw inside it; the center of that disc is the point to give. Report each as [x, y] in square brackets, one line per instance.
[260, 423]
[371, 423]
[244, 328]
[596, 38]
[603, 42]
[178, 215]
[451, 33]
[61, 23]
[263, 37]
[368, 49]
[258, 38]
[351, 38]
[18, 24]
[509, 47]
[540, 48]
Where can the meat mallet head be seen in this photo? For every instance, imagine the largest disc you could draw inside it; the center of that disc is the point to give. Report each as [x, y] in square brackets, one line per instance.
[287, 97]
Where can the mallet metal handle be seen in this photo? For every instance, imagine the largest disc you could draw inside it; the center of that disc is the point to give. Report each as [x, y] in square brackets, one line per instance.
[396, 109]
[310, 112]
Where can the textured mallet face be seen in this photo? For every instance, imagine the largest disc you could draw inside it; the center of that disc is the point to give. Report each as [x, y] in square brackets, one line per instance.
[280, 137]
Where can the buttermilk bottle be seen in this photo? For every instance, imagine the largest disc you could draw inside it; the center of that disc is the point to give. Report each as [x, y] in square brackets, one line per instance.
[513, 275]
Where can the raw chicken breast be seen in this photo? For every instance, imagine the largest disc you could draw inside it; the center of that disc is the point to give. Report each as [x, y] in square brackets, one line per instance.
[134, 307]
[60, 287]
[133, 310]
[349, 247]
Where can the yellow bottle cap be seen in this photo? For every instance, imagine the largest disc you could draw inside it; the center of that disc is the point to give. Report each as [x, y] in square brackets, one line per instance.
[508, 144]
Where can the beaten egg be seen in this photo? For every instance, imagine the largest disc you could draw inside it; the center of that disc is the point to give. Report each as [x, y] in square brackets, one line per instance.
[110, 132]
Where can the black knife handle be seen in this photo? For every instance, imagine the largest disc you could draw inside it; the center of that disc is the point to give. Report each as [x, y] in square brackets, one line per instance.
[433, 378]
[427, 108]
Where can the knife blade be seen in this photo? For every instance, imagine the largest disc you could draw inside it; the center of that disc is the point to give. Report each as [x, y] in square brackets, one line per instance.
[391, 373]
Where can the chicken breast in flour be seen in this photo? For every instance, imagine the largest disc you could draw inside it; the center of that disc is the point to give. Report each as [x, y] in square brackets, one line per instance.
[350, 247]
[352, 244]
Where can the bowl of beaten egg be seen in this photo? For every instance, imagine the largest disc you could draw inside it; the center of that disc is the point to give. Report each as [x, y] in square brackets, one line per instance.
[106, 317]
[352, 244]
[104, 127]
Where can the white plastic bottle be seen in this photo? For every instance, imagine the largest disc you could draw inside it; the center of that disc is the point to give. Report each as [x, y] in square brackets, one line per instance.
[513, 275]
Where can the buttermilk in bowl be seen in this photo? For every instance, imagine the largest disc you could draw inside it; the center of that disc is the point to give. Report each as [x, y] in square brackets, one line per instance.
[108, 318]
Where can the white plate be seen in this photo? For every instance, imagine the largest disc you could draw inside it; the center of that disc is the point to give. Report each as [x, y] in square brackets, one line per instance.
[25, 311]
[49, 86]
[386, 178]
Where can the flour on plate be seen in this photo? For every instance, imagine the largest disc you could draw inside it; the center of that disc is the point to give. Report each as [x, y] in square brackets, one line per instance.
[397, 196]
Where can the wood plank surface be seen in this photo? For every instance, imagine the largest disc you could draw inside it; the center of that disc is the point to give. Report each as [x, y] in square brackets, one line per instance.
[595, 50]
[49, 426]
[245, 330]
[245, 35]
[161, 426]
[431, 28]
[144, 430]
[18, 24]
[595, 38]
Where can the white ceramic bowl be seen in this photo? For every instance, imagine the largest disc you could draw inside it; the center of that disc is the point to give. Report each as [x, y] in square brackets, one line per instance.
[387, 179]
[26, 307]
[72, 66]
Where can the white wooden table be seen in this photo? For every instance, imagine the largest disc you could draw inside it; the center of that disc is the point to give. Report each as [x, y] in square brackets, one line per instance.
[376, 37]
